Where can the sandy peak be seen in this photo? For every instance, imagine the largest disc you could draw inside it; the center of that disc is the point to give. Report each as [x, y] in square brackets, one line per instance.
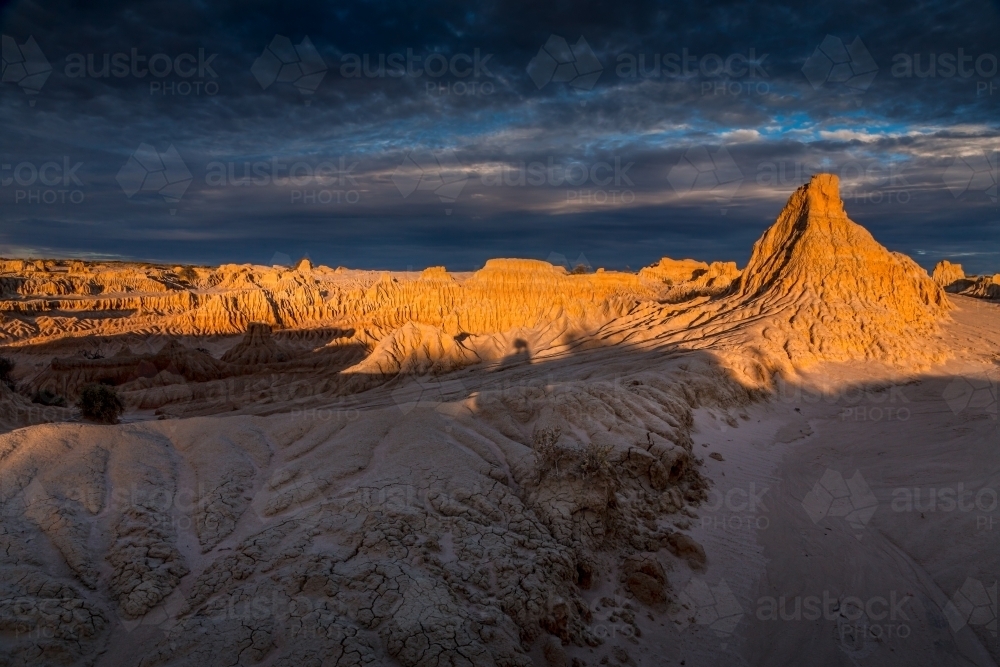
[811, 240]
[841, 291]
[823, 195]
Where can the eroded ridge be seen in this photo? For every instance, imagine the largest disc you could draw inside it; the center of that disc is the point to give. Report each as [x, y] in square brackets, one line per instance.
[354, 468]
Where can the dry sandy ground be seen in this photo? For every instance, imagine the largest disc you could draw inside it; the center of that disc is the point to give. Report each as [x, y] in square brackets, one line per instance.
[919, 443]
[793, 464]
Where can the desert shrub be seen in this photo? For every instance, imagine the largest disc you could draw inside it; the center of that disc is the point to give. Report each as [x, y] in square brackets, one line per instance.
[544, 443]
[46, 397]
[6, 368]
[596, 461]
[100, 403]
[189, 274]
[593, 463]
[579, 269]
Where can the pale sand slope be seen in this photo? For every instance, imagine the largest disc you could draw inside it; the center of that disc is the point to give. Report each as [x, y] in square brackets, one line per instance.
[488, 479]
[910, 431]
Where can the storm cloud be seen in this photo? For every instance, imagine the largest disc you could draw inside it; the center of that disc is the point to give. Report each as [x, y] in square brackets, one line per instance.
[396, 135]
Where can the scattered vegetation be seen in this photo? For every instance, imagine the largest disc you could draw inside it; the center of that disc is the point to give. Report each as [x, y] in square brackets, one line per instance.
[46, 397]
[188, 274]
[593, 463]
[6, 368]
[544, 443]
[101, 403]
[596, 461]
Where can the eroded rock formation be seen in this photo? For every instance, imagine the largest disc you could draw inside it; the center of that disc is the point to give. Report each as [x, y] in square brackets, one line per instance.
[947, 274]
[953, 279]
[414, 469]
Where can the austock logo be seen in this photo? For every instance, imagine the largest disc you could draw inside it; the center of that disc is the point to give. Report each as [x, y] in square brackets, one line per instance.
[282, 62]
[733, 75]
[148, 171]
[24, 65]
[57, 181]
[963, 394]
[700, 170]
[850, 499]
[862, 180]
[471, 71]
[862, 624]
[837, 64]
[712, 606]
[974, 604]
[974, 173]
[327, 182]
[558, 62]
[737, 509]
[437, 171]
[195, 72]
[947, 65]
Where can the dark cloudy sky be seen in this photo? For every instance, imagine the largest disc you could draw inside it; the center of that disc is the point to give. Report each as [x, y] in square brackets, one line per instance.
[435, 133]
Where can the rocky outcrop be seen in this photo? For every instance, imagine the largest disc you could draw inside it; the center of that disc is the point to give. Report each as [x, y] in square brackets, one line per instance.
[952, 278]
[397, 537]
[257, 347]
[947, 274]
[818, 287]
[673, 271]
[414, 468]
[984, 287]
[831, 291]
[687, 279]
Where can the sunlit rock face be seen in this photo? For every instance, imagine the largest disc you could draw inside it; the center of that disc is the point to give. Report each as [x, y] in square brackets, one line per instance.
[946, 274]
[361, 468]
[841, 294]
[953, 279]
[985, 287]
[817, 287]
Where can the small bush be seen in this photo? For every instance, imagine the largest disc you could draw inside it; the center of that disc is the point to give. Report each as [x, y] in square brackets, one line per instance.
[544, 444]
[6, 368]
[188, 274]
[46, 397]
[100, 403]
[597, 461]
